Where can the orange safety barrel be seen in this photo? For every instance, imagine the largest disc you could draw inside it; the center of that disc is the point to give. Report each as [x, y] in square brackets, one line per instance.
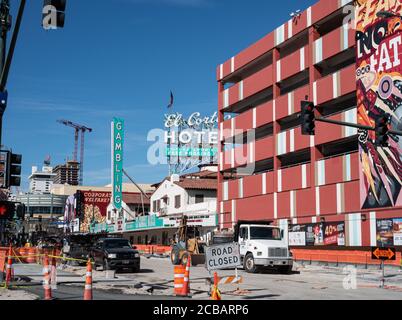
[32, 252]
[23, 252]
[179, 272]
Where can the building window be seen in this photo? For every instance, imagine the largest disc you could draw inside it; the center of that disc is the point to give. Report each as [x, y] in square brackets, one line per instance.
[177, 202]
[199, 198]
[158, 205]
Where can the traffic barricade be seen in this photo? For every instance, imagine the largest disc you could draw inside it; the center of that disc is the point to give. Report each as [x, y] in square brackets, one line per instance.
[179, 274]
[32, 255]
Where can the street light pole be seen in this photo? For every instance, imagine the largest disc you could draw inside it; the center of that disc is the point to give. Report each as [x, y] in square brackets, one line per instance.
[6, 59]
[5, 26]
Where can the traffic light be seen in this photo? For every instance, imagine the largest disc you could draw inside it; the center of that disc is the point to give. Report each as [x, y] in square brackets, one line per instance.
[7, 210]
[307, 118]
[3, 169]
[381, 130]
[14, 170]
[53, 14]
[21, 210]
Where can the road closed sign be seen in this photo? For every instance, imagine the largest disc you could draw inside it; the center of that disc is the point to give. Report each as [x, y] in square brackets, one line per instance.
[223, 256]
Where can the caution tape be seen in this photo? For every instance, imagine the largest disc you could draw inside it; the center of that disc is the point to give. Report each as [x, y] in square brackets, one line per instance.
[50, 256]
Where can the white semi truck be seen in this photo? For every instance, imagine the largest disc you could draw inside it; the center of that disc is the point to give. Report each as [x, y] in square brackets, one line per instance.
[261, 245]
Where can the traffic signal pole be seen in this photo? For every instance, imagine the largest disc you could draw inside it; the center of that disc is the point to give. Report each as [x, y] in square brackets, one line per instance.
[357, 126]
[10, 55]
[5, 25]
[5, 64]
[6, 59]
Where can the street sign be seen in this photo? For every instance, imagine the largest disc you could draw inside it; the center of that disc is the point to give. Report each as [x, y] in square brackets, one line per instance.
[117, 162]
[223, 256]
[383, 254]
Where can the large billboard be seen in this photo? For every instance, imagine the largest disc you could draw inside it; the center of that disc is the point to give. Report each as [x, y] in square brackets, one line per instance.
[379, 92]
[94, 208]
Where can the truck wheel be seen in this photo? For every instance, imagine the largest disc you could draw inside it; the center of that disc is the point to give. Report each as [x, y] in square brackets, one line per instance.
[175, 256]
[249, 264]
[285, 269]
[184, 259]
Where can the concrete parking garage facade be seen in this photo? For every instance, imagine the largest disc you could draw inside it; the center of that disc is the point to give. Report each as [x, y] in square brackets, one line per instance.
[311, 185]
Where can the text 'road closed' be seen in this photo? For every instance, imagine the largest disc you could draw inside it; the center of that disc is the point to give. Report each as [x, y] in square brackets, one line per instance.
[223, 256]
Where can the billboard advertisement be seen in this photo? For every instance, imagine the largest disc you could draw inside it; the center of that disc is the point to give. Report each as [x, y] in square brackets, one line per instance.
[379, 92]
[389, 232]
[94, 206]
[317, 234]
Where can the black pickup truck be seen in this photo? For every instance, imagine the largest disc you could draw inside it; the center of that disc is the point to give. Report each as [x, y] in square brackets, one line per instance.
[115, 254]
[79, 245]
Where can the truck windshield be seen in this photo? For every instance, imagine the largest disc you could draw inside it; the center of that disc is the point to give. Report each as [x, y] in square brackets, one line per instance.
[115, 244]
[263, 233]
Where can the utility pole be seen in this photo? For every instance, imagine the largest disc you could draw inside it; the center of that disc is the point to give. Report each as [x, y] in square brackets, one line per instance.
[5, 26]
[6, 59]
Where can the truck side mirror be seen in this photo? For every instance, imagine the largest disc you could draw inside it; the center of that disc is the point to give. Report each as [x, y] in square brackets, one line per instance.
[282, 234]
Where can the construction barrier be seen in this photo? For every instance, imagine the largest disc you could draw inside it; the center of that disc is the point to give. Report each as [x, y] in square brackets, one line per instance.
[9, 267]
[179, 274]
[46, 279]
[186, 286]
[32, 255]
[216, 294]
[23, 252]
[3, 257]
[230, 280]
[151, 249]
[88, 282]
[356, 257]
[35, 255]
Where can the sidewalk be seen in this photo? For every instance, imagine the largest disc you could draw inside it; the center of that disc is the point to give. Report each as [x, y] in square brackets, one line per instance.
[371, 276]
[16, 295]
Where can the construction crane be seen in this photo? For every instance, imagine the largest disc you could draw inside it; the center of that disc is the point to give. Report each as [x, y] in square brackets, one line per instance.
[83, 129]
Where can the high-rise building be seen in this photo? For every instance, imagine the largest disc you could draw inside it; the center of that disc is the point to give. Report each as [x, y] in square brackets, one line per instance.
[41, 182]
[67, 173]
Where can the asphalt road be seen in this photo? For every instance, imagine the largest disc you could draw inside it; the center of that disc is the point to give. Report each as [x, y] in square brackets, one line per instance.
[155, 282]
[305, 283]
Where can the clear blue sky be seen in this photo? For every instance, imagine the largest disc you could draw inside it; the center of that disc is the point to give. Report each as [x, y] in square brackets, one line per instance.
[121, 58]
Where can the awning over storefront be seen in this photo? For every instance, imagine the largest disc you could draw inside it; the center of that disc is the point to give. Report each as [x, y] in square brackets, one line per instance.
[154, 222]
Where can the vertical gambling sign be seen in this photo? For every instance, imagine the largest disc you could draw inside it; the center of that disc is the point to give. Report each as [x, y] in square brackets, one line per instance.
[117, 162]
[379, 92]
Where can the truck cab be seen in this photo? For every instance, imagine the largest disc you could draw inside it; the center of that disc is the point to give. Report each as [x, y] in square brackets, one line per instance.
[263, 245]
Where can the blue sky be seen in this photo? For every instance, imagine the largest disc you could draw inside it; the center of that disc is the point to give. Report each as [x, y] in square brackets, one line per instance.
[121, 58]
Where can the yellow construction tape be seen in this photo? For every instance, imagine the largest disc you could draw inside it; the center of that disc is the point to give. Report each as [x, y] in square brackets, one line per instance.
[50, 256]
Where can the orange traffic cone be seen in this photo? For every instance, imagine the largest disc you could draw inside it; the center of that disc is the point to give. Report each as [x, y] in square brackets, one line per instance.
[88, 282]
[186, 286]
[9, 267]
[46, 279]
[216, 295]
[53, 272]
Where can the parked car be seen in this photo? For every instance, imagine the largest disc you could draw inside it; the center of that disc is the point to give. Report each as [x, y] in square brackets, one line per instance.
[79, 246]
[115, 254]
